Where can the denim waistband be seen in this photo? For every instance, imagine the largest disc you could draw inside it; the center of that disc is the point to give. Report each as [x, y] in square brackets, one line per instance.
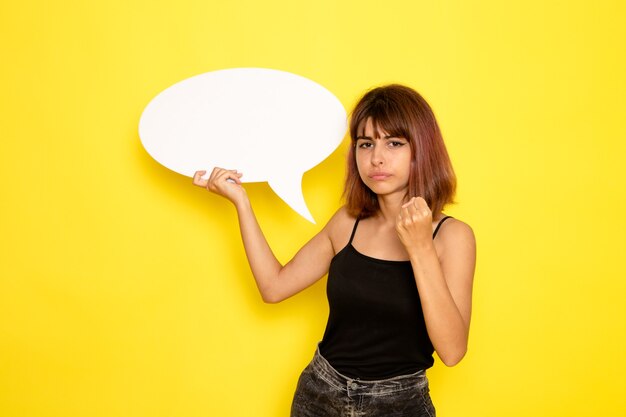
[324, 370]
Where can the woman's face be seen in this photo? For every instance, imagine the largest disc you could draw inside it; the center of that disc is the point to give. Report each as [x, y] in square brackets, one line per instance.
[383, 161]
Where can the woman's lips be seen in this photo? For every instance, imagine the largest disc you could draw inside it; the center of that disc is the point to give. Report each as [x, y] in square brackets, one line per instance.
[379, 176]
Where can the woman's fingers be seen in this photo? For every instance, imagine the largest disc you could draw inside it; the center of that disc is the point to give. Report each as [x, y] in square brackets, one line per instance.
[407, 214]
[198, 180]
[415, 210]
[223, 182]
[220, 175]
[414, 222]
[217, 177]
[214, 174]
[421, 205]
[234, 177]
[408, 203]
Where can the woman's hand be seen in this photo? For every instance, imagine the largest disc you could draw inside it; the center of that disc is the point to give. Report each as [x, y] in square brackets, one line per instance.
[414, 224]
[224, 182]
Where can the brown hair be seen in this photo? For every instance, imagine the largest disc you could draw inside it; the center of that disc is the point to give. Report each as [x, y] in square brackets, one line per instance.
[401, 111]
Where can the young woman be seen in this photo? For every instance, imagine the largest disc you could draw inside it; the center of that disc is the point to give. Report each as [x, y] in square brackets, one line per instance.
[399, 278]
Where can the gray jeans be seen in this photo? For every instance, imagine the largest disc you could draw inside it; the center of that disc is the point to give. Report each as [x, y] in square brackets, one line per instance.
[322, 391]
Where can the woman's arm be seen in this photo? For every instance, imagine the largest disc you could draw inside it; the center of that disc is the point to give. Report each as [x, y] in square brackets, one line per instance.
[274, 281]
[444, 281]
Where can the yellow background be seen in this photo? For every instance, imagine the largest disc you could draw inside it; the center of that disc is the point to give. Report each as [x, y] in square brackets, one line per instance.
[124, 290]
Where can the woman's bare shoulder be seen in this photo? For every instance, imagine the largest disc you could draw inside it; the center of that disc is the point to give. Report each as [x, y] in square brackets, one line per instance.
[454, 235]
[339, 228]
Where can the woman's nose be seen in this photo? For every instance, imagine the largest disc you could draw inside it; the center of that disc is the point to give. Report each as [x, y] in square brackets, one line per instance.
[377, 156]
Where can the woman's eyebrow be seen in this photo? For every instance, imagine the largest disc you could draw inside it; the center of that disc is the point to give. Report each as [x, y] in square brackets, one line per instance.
[384, 137]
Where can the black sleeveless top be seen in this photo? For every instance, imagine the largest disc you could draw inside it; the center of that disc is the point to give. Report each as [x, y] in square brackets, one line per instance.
[376, 327]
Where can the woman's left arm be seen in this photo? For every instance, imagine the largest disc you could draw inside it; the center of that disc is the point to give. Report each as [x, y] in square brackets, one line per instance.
[444, 280]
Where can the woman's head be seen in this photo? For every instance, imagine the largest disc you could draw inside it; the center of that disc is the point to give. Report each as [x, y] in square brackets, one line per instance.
[400, 111]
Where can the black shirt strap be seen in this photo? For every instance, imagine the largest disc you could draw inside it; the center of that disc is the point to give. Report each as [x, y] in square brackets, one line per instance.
[439, 225]
[353, 231]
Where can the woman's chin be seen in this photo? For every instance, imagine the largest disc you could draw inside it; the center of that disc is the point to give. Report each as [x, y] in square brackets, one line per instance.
[385, 190]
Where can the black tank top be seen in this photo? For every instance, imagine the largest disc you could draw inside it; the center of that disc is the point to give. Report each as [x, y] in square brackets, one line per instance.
[376, 327]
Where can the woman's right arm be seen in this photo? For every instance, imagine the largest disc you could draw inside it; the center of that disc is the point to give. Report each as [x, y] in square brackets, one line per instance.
[274, 281]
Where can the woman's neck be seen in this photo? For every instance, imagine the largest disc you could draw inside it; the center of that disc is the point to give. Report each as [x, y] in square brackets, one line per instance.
[390, 206]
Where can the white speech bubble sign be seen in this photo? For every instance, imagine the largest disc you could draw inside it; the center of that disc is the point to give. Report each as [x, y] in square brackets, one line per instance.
[270, 125]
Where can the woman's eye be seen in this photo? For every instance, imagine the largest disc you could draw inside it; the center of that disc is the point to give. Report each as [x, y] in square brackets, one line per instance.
[365, 145]
[395, 143]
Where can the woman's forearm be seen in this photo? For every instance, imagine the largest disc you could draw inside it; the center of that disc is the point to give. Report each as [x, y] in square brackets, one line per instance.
[264, 265]
[446, 327]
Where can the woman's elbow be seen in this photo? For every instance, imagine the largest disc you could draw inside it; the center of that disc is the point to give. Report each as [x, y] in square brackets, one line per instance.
[271, 297]
[453, 358]
[270, 300]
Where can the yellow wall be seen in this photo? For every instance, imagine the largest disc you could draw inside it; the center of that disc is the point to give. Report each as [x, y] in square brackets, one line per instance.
[124, 290]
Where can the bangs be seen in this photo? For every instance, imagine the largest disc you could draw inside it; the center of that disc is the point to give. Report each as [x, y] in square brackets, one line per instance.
[386, 117]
